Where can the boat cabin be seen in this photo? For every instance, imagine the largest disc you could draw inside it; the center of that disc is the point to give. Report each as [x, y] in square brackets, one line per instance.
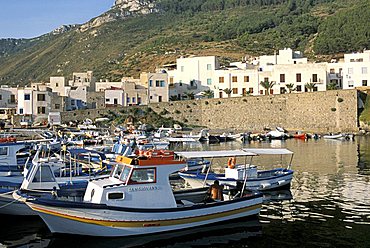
[140, 182]
[9, 162]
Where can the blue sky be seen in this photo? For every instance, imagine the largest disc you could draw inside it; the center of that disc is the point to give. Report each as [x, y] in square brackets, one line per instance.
[32, 18]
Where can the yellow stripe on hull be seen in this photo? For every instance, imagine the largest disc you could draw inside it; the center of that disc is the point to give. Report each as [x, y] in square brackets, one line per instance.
[112, 223]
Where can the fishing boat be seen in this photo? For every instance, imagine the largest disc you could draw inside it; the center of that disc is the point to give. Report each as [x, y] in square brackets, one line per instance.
[42, 178]
[237, 173]
[301, 136]
[137, 199]
[340, 136]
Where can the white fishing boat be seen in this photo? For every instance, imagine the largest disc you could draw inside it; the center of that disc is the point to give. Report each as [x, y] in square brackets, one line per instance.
[239, 173]
[41, 178]
[138, 199]
[340, 136]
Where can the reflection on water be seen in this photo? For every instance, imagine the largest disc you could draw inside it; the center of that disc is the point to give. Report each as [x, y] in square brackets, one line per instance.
[221, 234]
[328, 205]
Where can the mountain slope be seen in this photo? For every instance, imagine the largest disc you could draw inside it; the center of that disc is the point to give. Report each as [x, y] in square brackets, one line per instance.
[138, 35]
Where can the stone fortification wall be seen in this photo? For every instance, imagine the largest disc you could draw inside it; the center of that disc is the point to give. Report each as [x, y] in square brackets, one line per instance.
[329, 111]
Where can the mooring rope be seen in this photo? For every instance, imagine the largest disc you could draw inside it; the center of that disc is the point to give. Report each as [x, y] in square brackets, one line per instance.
[8, 204]
[8, 193]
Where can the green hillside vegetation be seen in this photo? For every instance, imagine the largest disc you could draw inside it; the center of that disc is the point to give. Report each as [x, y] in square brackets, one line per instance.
[227, 28]
[365, 115]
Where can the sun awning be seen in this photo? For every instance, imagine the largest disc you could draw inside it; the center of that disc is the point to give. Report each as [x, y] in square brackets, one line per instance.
[269, 151]
[215, 154]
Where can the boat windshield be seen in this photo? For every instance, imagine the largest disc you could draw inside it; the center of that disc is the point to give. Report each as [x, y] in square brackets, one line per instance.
[121, 172]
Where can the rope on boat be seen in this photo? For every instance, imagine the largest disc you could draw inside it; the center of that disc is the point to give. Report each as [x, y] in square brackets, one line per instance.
[8, 193]
[10, 203]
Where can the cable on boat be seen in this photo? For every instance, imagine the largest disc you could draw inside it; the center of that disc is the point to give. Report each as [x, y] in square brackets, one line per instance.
[10, 203]
[8, 193]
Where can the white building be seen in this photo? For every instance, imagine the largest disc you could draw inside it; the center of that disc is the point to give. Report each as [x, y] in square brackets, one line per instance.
[8, 97]
[38, 101]
[285, 57]
[129, 94]
[239, 82]
[76, 91]
[157, 84]
[192, 75]
[198, 74]
[356, 70]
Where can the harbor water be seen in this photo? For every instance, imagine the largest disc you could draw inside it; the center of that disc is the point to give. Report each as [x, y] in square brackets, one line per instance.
[328, 205]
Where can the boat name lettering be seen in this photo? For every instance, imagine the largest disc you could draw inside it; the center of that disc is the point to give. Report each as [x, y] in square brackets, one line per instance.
[143, 188]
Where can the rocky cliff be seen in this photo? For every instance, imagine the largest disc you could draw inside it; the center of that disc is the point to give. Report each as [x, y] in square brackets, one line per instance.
[121, 10]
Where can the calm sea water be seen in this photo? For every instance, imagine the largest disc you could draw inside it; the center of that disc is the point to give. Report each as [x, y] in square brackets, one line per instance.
[328, 205]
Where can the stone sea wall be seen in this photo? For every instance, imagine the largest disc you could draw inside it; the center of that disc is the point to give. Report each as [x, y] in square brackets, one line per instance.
[330, 111]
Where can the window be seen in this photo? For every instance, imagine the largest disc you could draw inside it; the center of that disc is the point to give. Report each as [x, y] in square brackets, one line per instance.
[1, 97]
[220, 94]
[298, 77]
[115, 195]
[44, 174]
[107, 100]
[282, 78]
[57, 106]
[234, 79]
[3, 151]
[364, 70]
[235, 90]
[41, 97]
[299, 88]
[244, 91]
[134, 100]
[221, 79]
[21, 111]
[150, 83]
[12, 98]
[159, 98]
[138, 100]
[350, 70]
[250, 90]
[209, 81]
[162, 83]
[261, 92]
[56, 85]
[364, 82]
[41, 110]
[246, 79]
[128, 99]
[314, 78]
[27, 97]
[115, 101]
[182, 68]
[209, 67]
[143, 176]
[157, 83]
